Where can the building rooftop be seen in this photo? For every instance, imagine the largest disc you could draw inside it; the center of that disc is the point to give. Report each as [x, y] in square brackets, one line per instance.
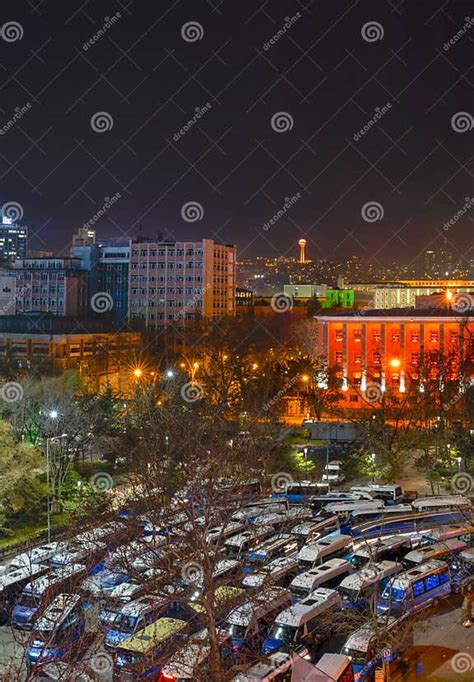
[399, 312]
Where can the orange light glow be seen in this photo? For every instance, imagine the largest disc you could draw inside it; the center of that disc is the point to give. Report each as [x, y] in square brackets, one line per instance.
[395, 362]
[137, 372]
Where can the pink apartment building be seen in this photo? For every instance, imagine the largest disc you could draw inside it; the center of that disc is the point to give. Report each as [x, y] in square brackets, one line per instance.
[176, 282]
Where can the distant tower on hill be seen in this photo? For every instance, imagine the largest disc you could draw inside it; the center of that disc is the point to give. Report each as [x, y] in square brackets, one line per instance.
[302, 245]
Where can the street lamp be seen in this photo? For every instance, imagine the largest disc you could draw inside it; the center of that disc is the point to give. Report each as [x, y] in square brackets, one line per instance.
[373, 456]
[459, 460]
[48, 501]
[169, 373]
[137, 372]
[395, 362]
[305, 453]
[54, 414]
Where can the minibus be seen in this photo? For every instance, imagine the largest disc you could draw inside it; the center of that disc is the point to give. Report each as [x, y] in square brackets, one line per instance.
[103, 583]
[274, 668]
[279, 571]
[330, 547]
[366, 643]
[390, 494]
[332, 473]
[416, 588]
[347, 507]
[58, 630]
[310, 531]
[357, 590]
[133, 617]
[280, 545]
[36, 555]
[238, 544]
[444, 551]
[464, 532]
[247, 624]
[41, 589]
[230, 569]
[300, 492]
[190, 662]
[219, 534]
[88, 553]
[442, 503]
[390, 548]
[142, 656]
[275, 519]
[225, 597]
[303, 622]
[318, 502]
[325, 575]
[462, 569]
[12, 584]
[125, 592]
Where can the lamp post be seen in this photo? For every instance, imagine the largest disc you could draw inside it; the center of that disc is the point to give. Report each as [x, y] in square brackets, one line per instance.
[459, 460]
[305, 453]
[373, 456]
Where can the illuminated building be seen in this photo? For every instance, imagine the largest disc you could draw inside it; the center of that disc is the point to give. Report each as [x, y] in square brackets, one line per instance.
[13, 240]
[302, 245]
[386, 348]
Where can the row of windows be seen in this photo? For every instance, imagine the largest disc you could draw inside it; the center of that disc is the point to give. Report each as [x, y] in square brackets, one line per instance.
[161, 265]
[52, 302]
[168, 278]
[169, 290]
[377, 358]
[161, 303]
[429, 583]
[152, 253]
[162, 316]
[49, 276]
[395, 336]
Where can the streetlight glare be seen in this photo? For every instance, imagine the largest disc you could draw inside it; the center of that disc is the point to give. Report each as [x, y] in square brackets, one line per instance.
[54, 414]
[395, 362]
[137, 372]
[170, 373]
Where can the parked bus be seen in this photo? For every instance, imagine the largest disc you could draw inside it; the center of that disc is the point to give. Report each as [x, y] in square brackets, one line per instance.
[40, 590]
[247, 625]
[357, 590]
[303, 622]
[279, 571]
[219, 534]
[190, 662]
[416, 588]
[301, 492]
[463, 532]
[35, 555]
[133, 617]
[444, 551]
[57, 632]
[390, 494]
[11, 586]
[126, 592]
[310, 531]
[86, 553]
[318, 502]
[365, 644]
[390, 548]
[142, 656]
[238, 544]
[442, 503]
[330, 547]
[280, 545]
[326, 575]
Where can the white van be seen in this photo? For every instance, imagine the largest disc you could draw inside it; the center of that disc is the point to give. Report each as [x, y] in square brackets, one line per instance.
[219, 534]
[247, 624]
[326, 575]
[332, 472]
[243, 542]
[310, 531]
[357, 589]
[390, 548]
[329, 547]
[302, 622]
[439, 550]
[364, 644]
[280, 571]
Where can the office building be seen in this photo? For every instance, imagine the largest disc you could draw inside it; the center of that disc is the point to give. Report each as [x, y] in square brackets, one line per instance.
[13, 240]
[7, 293]
[177, 282]
[83, 237]
[56, 286]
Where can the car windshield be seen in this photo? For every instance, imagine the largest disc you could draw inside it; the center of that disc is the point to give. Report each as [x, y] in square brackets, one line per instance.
[305, 564]
[358, 560]
[299, 592]
[125, 623]
[348, 594]
[234, 630]
[284, 633]
[394, 594]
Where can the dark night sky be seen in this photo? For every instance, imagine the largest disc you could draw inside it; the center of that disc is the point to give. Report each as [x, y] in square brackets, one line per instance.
[321, 72]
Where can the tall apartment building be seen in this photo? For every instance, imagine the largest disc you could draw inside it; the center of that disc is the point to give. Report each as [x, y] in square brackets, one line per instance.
[55, 286]
[176, 282]
[386, 347]
[13, 240]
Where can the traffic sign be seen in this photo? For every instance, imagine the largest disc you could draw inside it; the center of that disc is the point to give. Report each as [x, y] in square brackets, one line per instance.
[387, 653]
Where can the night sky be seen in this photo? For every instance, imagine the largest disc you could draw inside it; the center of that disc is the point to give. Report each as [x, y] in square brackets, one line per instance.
[327, 73]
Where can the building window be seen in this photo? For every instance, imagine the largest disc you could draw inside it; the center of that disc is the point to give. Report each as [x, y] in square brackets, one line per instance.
[339, 358]
[434, 337]
[376, 336]
[377, 358]
[339, 335]
[357, 336]
[357, 358]
[396, 336]
[415, 358]
[415, 337]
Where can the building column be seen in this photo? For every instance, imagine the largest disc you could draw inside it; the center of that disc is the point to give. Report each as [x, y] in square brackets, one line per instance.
[401, 385]
[383, 346]
[363, 358]
[344, 357]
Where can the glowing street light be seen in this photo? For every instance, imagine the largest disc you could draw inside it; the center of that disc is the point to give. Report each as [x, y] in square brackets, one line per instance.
[137, 372]
[169, 373]
[305, 378]
[449, 295]
[54, 414]
[395, 362]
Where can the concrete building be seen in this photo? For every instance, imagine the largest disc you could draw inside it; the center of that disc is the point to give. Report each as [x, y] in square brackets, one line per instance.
[176, 282]
[385, 348]
[7, 293]
[13, 240]
[83, 237]
[403, 294]
[55, 286]
[243, 302]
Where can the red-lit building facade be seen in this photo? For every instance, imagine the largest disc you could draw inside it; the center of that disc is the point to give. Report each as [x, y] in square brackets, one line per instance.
[391, 348]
